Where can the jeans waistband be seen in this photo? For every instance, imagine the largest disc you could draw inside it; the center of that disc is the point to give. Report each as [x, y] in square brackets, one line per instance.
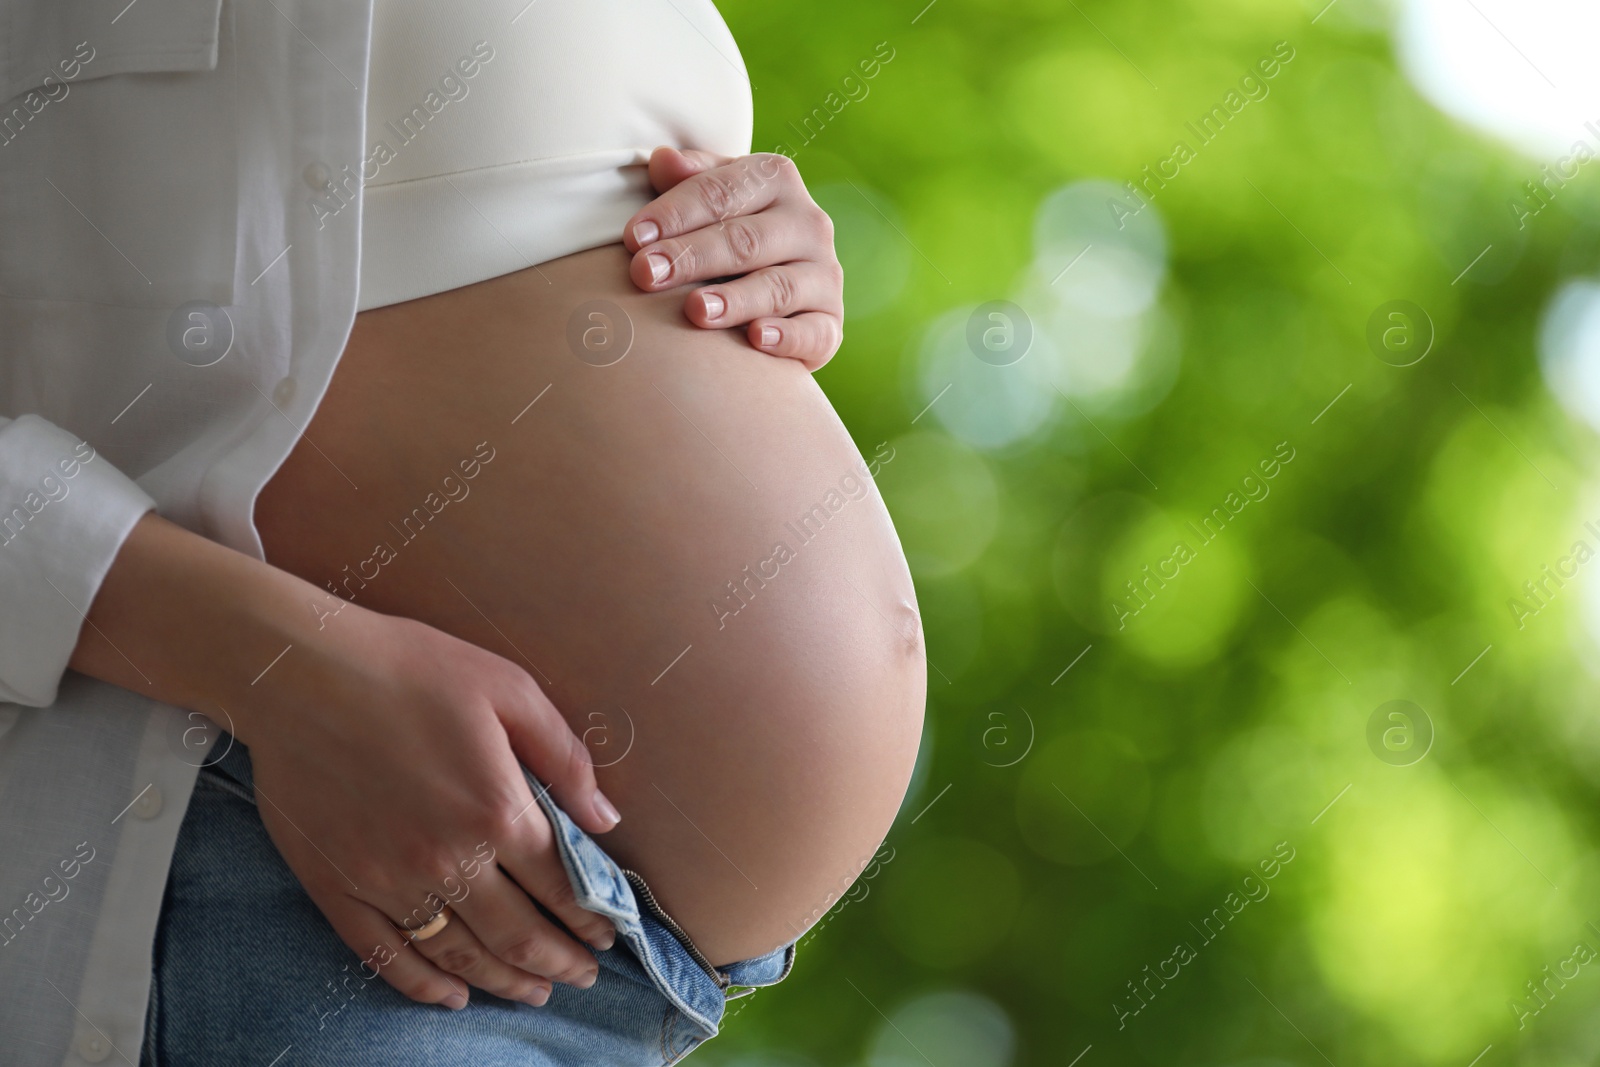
[677, 968]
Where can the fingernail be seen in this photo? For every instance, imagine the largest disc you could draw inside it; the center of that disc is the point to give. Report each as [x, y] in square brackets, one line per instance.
[605, 939]
[714, 305]
[588, 980]
[606, 810]
[455, 1001]
[770, 336]
[660, 265]
[645, 233]
[538, 998]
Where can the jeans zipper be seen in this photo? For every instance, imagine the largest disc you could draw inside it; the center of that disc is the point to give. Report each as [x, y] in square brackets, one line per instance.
[642, 890]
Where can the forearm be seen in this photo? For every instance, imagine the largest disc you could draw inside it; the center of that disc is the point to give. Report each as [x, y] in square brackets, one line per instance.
[372, 738]
[192, 623]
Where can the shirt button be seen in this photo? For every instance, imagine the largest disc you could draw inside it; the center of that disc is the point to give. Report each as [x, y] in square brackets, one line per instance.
[148, 806]
[92, 1046]
[317, 175]
[283, 392]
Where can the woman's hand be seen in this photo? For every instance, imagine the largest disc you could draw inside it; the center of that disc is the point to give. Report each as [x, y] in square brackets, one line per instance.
[752, 217]
[385, 760]
[385, 755]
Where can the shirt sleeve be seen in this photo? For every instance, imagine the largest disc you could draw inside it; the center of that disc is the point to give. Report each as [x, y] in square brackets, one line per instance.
[64, 513]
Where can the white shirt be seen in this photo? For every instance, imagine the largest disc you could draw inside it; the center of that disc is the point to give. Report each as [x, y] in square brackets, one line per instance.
[172, 305]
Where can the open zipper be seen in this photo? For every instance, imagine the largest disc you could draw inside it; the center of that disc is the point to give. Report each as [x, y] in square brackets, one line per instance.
[642, 891]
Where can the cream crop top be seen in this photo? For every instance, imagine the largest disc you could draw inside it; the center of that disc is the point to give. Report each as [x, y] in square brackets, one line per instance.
[503, 133]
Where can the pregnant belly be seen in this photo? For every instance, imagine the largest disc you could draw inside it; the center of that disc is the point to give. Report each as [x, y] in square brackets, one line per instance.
[682, 546]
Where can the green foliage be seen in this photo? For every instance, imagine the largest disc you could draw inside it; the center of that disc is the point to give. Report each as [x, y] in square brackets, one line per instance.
[1225, 715]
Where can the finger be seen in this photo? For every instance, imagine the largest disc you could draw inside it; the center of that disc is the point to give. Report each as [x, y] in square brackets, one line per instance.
[742, 187]
[669, 166]
[771, 292]
[505, 920]
[737, 246]
[536, 866]
[457, 950]
[369, 934]
[541, 738]
[811, 337]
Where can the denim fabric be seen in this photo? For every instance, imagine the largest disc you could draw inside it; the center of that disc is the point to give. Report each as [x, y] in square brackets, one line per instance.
[247, 969]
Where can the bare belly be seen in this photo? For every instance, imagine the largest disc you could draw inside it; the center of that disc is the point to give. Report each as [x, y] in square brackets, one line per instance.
[682, 547]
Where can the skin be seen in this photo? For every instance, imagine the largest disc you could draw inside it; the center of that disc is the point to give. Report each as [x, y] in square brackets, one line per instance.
[339, 726]
[765, 766]
[347, 713]
[752, 217]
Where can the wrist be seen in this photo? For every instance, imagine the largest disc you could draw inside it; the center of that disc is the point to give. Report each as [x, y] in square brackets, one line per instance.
[278, 629]
[193, 623]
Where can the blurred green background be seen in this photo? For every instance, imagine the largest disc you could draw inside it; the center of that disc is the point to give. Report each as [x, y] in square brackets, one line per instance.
[1087, 822]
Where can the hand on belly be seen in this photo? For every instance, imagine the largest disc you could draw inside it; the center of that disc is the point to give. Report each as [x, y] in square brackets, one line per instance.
[683, 548]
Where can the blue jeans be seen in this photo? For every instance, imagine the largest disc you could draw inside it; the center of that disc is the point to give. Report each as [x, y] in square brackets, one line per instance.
[247, 969]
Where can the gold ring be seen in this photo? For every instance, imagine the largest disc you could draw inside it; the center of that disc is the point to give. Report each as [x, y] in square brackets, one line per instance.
[429, 928]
